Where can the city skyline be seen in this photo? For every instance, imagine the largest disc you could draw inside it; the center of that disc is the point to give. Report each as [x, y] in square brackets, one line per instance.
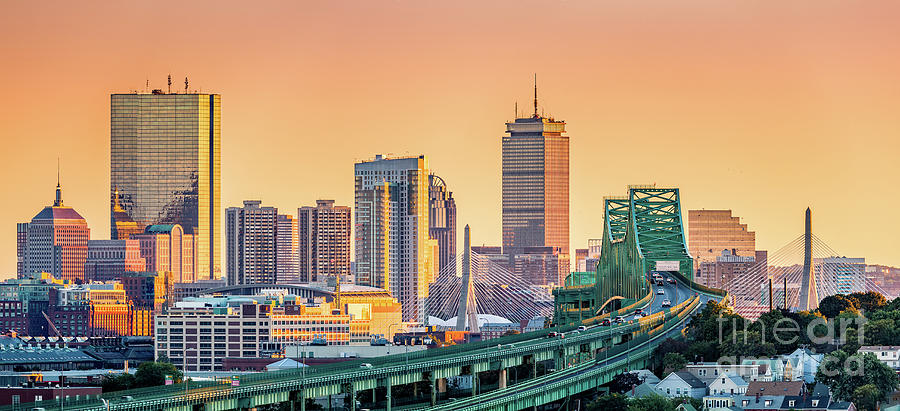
[768, 133]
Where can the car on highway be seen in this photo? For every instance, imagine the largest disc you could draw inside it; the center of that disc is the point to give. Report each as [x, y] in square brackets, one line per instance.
[552, 334]
[604, 322]
[619, 319]
[639, 311]
[582, 328]
[365, 365]
[666, 303]
[670, 280]
[660, 291]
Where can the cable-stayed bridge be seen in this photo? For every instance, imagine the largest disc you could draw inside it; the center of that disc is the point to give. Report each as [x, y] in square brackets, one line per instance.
[497, 292]
[797, 276]
[533, 369]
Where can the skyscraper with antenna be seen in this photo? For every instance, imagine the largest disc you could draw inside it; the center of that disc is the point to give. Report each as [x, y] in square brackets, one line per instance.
[535, 181]
[165, 167]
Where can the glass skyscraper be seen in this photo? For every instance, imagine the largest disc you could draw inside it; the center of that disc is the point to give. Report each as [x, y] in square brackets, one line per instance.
[165, 162]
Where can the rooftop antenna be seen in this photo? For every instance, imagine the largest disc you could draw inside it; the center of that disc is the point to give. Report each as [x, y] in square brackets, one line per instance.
[57, 171]
[147, 88]
[170, 84]
[535, 96]
[185, 85]
[517, 110]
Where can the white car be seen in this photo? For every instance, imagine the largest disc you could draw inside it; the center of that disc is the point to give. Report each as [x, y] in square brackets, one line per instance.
[666, 303]
[660, 291]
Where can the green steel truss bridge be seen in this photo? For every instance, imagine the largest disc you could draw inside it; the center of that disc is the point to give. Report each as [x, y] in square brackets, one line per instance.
[643, 232]
[640, 232]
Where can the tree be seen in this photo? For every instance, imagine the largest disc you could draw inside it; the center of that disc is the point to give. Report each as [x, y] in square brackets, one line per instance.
[833, 305]
[608, 402]
[713, 319]
[674, 361]
[651, 403]
[844, 373]
[623, 382]
[151, 374]
[866, 397]
[117, 383]
[869, 300]
[747, 344]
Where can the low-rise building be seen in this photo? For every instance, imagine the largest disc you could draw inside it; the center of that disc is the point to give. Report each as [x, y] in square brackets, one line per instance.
[888, 354]
[708, 371]
[730, 384]
[46, 392]
[681, 384]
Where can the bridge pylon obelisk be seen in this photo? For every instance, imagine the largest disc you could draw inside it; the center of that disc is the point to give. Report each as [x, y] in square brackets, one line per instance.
[467, 305]
[809, 297]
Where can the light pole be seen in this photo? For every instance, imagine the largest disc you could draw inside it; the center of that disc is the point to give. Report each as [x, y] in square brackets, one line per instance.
[105, 403]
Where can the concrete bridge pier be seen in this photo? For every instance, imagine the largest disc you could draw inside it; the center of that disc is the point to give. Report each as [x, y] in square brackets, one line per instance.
[433, 390]
[352, 398]
[502, 378]
[388, 396]
[302, 399]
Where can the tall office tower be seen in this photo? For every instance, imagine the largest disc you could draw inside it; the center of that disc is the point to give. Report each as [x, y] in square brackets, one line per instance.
[287, 263]
[393, 249]
[109, 260]
[21, 242]
[324, 232]
[442, 220]
[57, 241]
[712, 231]
[250, 243]
[165, 163]
[535, 184]
[166, 248]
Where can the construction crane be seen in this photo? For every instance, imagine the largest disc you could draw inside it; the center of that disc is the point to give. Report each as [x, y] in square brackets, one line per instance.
[50, 323]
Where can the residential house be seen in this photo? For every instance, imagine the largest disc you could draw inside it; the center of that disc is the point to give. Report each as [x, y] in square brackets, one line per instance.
[708, 371]
[681, 384]
[730, 384]
[888, 354]
[804, 362]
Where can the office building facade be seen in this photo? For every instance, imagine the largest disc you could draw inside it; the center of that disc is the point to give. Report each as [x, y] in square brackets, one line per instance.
[109, 260]
[165, 167]
[166, 248]
[324, 238]
[535, 181]
[442, 220]
[250, 243]
[393, 248]
[287, 249]
[56, 242]
[712, 231]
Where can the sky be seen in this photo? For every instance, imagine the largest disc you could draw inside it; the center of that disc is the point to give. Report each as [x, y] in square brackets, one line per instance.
[764, 108]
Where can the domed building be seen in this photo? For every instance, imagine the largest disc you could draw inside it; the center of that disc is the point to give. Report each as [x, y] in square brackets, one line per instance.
[56, 241]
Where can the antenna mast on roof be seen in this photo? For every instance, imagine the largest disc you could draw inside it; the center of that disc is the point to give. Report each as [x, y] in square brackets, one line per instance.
[170, 84]
[185, 85]
[535, 96]
[517, 111]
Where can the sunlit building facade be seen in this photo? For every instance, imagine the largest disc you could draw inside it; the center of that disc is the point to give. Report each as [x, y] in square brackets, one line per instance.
[165, 163]
[535, 185]
[109, 260]
[324, 241]
[711, 231]
[250, 243]
[56, 242]
[442, 220]
[287, 248]
[166, 248]
[393, 248]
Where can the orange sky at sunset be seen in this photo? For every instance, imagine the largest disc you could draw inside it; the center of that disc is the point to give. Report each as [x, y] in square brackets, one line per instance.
[762, 107]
